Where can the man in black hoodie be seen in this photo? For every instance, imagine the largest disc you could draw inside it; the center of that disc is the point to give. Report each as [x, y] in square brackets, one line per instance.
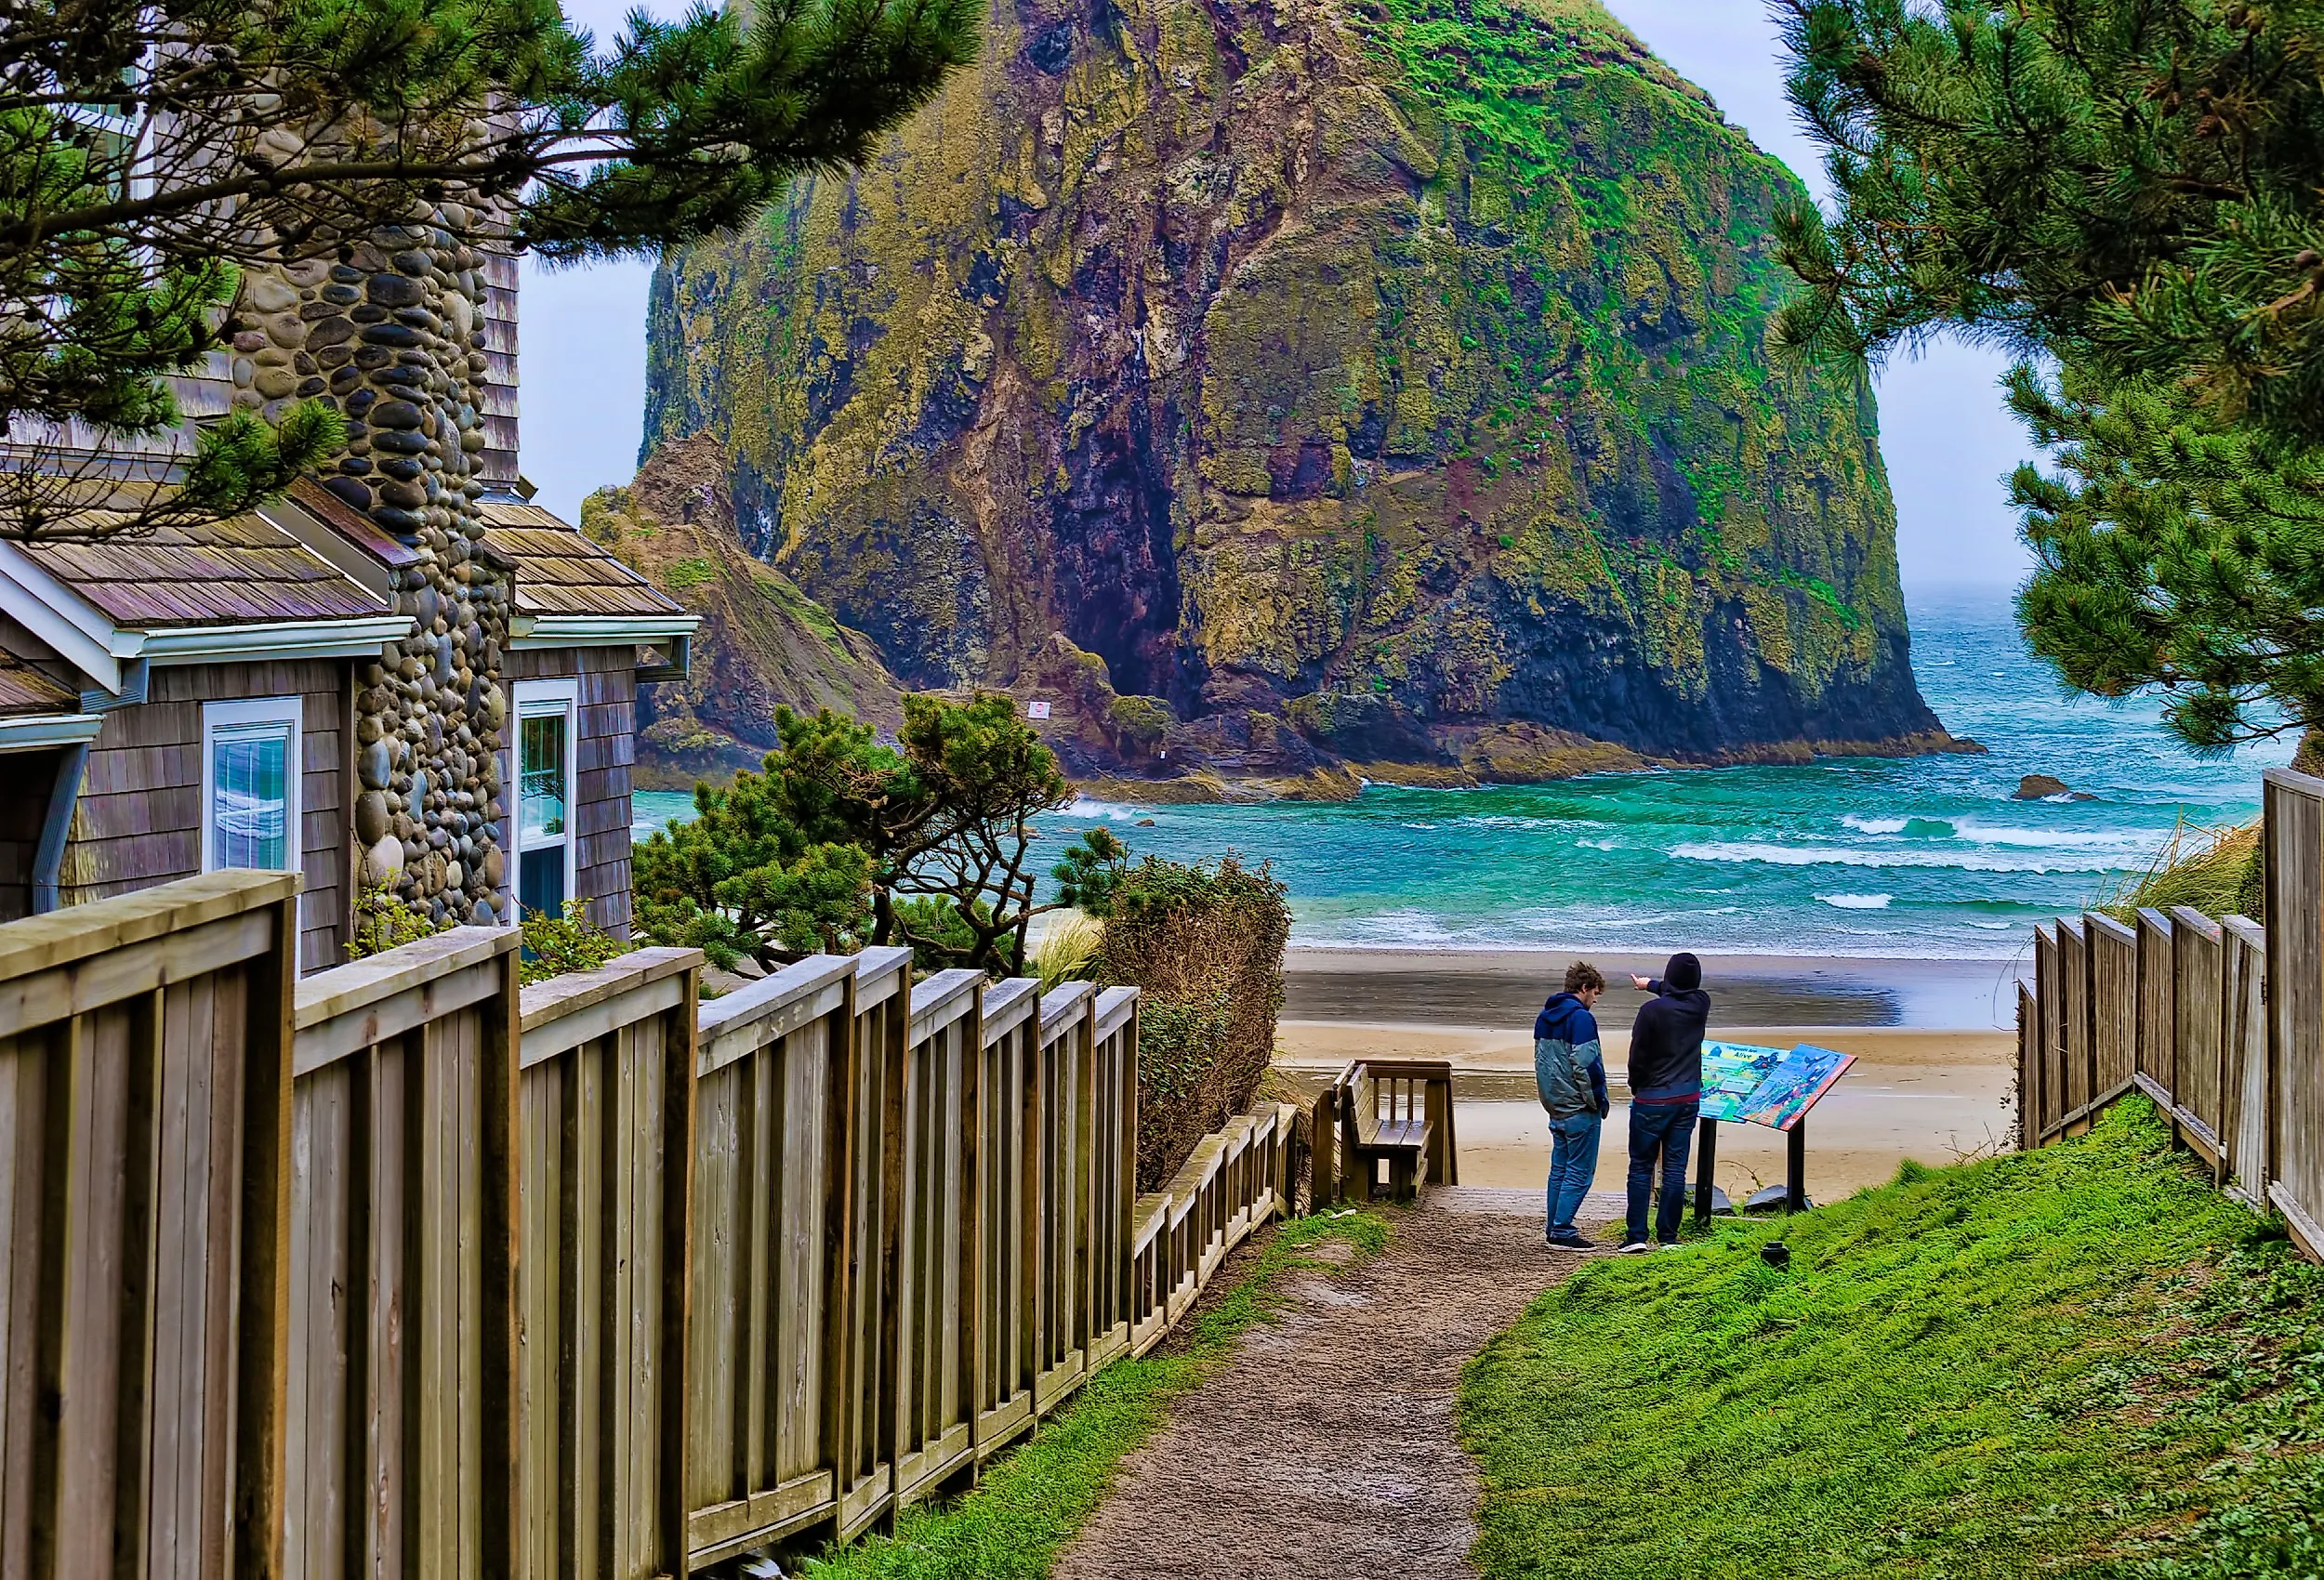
[1665, 1094]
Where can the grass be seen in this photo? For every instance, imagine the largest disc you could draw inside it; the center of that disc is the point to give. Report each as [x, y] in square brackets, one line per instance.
[2082, 1361]
[1033, 1500]
[2216, 871]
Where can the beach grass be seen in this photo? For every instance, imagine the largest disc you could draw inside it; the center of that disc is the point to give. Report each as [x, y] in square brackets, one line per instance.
[1032, 1501]
[2081, 1360]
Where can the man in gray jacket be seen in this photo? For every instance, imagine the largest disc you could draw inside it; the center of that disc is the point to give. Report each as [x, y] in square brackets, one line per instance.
[1569, 1071]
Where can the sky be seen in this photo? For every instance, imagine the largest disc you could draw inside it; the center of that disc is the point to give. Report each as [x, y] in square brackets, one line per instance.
[1947, 439]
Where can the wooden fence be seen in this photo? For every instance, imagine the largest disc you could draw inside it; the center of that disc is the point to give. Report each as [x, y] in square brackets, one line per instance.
[2220, 1022]
[401, 1268]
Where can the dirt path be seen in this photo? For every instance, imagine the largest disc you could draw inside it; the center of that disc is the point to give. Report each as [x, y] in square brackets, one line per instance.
[1325, 1446]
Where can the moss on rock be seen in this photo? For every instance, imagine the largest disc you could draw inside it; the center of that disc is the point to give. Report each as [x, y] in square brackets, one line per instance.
[1405, 349]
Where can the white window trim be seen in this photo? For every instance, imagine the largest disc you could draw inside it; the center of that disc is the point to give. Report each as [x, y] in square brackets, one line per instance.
[257, 710]
[537, 699]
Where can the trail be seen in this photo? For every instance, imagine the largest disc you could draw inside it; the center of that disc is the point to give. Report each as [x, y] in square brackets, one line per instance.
[1325, 1444]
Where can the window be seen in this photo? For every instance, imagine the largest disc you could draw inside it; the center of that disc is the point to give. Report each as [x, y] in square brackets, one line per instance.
[545, 842]
[250, 801]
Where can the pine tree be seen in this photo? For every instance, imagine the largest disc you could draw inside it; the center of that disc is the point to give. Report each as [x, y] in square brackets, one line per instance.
[2130, 194]
[149, 150]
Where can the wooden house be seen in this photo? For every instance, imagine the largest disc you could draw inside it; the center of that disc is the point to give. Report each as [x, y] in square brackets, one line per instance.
[184, 700]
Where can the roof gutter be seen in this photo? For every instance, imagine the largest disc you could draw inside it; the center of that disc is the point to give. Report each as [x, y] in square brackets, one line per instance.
[598, 630]
[38, 731]
[359, 638]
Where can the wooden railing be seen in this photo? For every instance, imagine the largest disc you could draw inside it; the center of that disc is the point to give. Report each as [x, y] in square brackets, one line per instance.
[401, 1268]
[2220, 1022]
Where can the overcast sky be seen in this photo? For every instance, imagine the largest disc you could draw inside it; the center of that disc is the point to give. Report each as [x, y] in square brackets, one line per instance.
[1947, 439]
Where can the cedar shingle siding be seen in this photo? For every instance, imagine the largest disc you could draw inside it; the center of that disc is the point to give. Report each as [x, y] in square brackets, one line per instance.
[140, 818]
[602, 755]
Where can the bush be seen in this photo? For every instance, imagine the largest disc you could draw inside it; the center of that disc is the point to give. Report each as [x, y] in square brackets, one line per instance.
[2217, 870]
[1067, 951]
[1205, 943]
[557, 945]
[383, 922]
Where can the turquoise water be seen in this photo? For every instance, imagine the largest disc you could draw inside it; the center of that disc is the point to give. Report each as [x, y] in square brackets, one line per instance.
[1923, 857]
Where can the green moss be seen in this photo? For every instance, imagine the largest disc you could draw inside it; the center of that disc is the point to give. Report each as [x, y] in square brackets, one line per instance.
[1506, 306]
[690, 573]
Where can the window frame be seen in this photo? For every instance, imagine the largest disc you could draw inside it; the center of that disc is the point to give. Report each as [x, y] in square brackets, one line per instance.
[542, 699]
[239, 714]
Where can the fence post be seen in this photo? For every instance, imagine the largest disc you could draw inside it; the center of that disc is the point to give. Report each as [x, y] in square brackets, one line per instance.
[2029, 1068]
[843, 1057]
[497, 1131]
[2158, 1021]
[1323, 1168]
[2293, 846]
[262, 1337]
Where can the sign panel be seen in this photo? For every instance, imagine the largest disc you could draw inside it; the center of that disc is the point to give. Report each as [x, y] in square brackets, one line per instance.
[1037, 710]
[1767, 1085]
[1732, 1072]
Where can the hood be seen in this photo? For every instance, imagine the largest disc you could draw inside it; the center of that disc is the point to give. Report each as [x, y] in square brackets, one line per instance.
[1557, 1018]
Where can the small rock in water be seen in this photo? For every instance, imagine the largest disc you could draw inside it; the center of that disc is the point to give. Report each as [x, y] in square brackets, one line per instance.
[2042, 786]
[1146, 822]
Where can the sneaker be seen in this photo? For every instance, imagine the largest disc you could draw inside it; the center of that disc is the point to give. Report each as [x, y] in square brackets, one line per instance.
[1667, 1246]
[1633, 1247]
[1573, 1243]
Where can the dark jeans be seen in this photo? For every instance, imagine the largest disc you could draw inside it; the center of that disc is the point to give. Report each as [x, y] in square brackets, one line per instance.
[1667, 1128]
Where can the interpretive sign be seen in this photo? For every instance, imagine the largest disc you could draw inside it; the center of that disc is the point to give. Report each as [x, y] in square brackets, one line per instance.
[1767, 1085]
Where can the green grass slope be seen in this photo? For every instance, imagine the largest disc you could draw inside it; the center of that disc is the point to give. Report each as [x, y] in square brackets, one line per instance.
[2077, 1362]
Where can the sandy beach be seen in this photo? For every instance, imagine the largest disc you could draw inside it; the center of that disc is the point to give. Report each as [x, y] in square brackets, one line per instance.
[1504, 988]
[1927, 1091]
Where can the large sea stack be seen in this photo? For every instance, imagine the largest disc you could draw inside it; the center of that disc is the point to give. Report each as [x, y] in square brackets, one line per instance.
[1369, 382]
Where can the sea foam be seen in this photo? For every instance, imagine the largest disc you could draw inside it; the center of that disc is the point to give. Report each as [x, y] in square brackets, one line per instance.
[1892, 856]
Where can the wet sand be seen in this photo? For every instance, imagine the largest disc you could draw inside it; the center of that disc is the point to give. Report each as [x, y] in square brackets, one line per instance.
[1478, 988]
[1920, 1088]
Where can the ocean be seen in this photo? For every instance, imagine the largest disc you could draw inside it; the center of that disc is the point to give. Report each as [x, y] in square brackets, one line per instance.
[1918, 858]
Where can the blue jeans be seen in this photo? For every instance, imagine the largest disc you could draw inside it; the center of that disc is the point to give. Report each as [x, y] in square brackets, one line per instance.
[1573, 1164]
[1669, 1129]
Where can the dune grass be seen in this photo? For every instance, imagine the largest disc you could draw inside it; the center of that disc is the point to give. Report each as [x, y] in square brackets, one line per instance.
[2082, 1361]
[1032, 1500]
[2216, 871]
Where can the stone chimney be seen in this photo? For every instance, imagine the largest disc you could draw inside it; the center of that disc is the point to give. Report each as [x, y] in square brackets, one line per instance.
[411, 334]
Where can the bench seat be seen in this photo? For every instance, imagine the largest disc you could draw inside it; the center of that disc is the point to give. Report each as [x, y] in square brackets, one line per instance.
[1403, 1143]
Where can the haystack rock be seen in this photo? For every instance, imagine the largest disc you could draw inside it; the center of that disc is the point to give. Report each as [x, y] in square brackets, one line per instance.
[1393, 374]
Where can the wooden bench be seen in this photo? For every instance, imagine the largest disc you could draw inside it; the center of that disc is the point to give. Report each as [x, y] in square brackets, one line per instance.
[1386, 1116]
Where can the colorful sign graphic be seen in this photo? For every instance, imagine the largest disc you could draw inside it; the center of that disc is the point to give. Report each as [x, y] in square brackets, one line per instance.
[1767, 1085]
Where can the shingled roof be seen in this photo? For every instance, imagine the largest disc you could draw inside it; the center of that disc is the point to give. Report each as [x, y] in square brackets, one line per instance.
[242, 571]
[25, 691]
[560, 571]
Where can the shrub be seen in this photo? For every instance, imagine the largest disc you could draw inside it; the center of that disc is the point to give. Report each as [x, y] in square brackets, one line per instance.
[556, 945]
[2217, 870]
[845, 840]
[1205, 943]
[383, 922]
[1067, 951]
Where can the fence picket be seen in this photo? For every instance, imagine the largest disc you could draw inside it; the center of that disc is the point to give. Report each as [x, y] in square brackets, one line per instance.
[428, 1274]
[2220, 1023]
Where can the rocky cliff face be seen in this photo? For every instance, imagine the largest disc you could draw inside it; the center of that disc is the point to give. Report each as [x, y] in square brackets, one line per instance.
[762, 643]
[1391, 374]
